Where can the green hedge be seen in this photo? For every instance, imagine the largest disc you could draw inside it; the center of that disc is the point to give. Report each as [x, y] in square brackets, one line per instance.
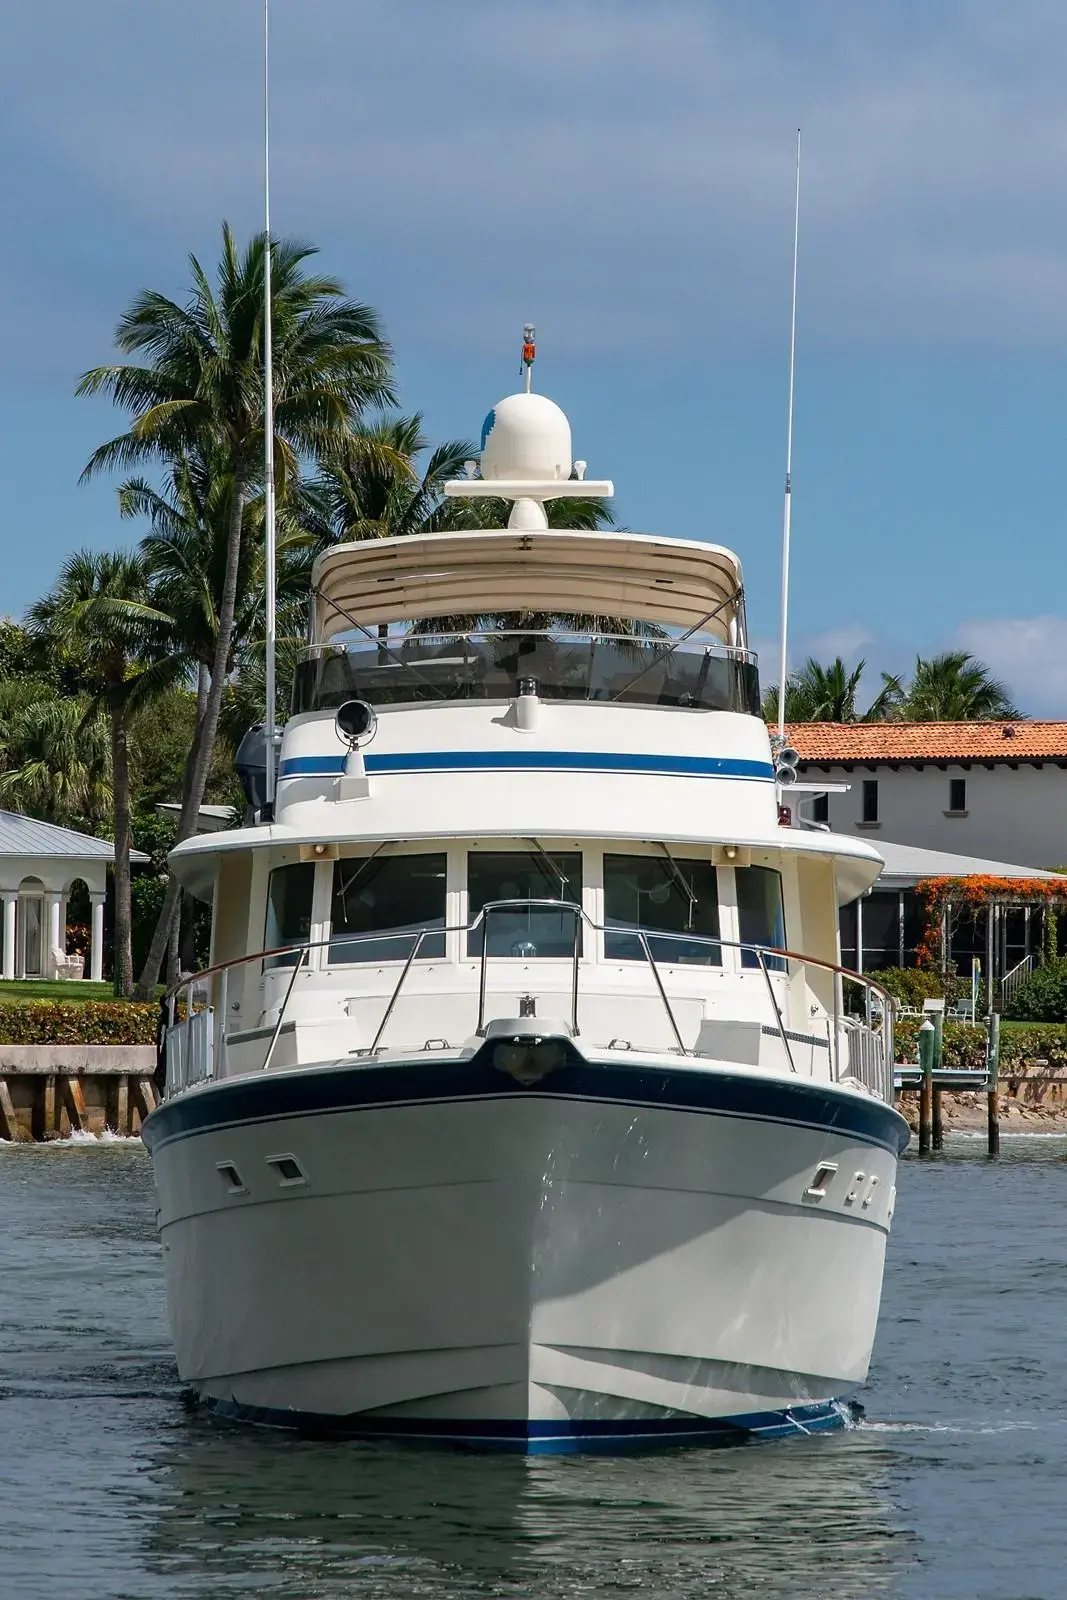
[1020, 1044]
[1043, 996]
[912, 985]
[77, 1022]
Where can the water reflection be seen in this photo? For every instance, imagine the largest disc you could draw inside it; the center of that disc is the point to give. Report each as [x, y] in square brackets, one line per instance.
[240, 1513]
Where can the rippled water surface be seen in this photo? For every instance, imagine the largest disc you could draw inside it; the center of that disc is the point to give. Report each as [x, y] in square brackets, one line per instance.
[955, 1486]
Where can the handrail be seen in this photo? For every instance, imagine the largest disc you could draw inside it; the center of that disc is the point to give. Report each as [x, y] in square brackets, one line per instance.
[777, 1009]
[416, 947]
[297, 964]
[707, 642]
[509, 905]
[761, 952]
[646, 947]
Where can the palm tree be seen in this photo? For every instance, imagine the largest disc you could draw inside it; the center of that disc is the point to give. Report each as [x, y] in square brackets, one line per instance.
[101, 606]
[828, 694]
[369, 487]
[56, 759]
[201, 393]
[955, 687]
[185, 549]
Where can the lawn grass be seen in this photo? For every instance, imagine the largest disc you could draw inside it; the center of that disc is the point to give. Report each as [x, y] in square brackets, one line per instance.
[53, 989]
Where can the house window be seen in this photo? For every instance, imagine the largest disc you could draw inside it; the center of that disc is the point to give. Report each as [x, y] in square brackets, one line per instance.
[521, 930]
[820, 808]
[957, 794]
[870, 799]
[390, 896]
[666, 897]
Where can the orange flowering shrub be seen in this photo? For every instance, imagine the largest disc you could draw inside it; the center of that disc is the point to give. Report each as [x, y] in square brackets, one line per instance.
[973, 894]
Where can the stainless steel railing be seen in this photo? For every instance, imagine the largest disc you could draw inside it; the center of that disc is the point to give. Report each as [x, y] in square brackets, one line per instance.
[859, 1049]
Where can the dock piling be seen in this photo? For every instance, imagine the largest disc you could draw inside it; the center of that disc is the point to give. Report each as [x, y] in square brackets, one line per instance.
[927, 1051]
[993, 1095]
[938, 1125]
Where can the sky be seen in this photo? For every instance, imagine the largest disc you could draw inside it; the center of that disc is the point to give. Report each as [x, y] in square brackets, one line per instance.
[620, 174]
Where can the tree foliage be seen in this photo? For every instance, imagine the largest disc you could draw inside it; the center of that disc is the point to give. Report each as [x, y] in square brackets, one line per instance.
[951, 687]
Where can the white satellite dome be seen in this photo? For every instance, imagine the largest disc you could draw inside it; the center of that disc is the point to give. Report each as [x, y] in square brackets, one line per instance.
[526, 438]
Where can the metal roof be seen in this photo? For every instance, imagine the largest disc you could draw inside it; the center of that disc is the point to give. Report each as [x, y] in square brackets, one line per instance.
[906, 864]
[26, 836]
[210, 819]
[675, 582]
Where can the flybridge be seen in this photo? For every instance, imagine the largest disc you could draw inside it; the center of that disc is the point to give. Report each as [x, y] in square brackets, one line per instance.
[580, 615]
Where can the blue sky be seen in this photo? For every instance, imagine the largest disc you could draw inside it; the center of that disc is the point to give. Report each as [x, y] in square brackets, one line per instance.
[620, 173]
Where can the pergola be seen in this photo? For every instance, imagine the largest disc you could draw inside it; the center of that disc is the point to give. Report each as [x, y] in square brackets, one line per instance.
[39, 867]
[912, 914]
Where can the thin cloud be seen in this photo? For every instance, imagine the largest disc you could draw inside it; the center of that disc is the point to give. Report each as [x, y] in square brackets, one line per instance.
[1028, 653]
[626, 168]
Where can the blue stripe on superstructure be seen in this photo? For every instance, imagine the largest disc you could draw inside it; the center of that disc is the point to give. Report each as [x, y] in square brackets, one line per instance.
[548, 1438]
[348, 1086]
[323, 766]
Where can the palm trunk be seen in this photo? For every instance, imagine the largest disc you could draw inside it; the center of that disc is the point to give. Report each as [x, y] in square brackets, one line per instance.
[122, 976]
[173, 974]
[198, 764]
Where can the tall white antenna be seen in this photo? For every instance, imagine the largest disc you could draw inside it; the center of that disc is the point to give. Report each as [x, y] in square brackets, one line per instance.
[270, 553]
[784, 672]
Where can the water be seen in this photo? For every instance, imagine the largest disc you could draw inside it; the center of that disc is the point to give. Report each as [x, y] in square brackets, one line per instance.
[952, 1490]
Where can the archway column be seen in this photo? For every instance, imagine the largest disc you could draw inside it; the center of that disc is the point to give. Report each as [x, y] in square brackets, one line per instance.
[96, 937]
[11, 902]
[56, 937]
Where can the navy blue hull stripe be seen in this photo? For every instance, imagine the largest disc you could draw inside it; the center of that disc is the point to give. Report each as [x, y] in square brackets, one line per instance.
[326, 766]
[272, 1097]
[549, 1438]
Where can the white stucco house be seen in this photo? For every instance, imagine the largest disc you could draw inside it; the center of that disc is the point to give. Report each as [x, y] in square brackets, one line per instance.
[943, 800]
[991, 790]
[39, 867]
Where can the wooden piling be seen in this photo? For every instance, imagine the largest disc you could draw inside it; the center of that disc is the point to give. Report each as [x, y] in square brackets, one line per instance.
[927, 1046]
[122, 1106]
[9, 1127]
[993, 1095]
[937, 1120]
[74, 1102]
[143, 1096]
[49, 1125]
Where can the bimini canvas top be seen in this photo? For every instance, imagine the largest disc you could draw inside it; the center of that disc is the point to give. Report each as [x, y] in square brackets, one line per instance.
[671, 582]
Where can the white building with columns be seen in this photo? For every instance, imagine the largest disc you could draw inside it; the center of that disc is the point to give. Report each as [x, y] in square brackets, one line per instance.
[40, 865]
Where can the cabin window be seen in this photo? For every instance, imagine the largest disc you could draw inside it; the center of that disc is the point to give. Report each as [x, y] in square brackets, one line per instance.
[525, 931]
[381, 903]
[870, 799]
[289, 894]
[661, 897]
[761, 920]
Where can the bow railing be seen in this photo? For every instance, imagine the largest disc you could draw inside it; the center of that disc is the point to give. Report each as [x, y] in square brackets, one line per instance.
[860, 1047]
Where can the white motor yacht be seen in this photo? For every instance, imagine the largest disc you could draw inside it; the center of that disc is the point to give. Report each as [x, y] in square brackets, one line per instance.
[525, 1103]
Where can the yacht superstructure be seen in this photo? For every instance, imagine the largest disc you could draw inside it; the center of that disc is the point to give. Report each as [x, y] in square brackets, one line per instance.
[508, 1111]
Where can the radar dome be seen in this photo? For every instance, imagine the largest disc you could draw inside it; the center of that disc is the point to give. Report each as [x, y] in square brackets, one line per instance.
[526, 438]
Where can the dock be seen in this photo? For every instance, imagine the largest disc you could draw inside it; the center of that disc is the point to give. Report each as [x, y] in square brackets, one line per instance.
[51, 1091]
[931, 1078]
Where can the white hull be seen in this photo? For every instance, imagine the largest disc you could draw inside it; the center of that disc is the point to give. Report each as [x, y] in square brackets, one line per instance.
[539, 1266]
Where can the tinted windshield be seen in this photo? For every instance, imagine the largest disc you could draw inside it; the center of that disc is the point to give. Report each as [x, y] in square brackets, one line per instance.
[490, 666]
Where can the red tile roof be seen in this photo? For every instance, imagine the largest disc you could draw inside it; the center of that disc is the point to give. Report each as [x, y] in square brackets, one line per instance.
[834, 742]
